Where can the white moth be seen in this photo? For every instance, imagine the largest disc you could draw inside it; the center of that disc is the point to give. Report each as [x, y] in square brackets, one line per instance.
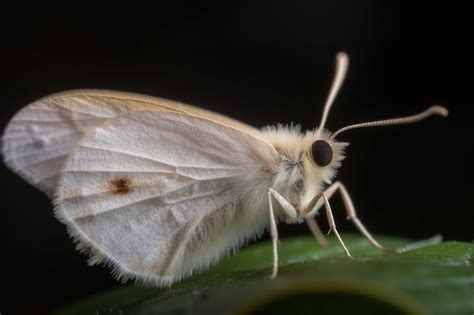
[159, 189]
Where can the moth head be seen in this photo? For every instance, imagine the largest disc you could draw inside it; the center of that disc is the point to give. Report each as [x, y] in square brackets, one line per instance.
[323, 157]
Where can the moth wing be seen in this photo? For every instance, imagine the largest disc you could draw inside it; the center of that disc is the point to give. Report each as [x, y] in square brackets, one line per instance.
[140, 190]
[38, 140]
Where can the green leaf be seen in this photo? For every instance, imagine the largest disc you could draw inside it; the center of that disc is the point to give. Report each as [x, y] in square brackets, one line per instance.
[431, 279]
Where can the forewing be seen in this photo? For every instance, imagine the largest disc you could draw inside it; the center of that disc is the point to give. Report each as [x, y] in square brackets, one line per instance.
[38, 140]
[133, 187]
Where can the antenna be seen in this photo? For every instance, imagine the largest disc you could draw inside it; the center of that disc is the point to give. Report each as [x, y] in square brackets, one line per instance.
[433, 110]
[342, 63]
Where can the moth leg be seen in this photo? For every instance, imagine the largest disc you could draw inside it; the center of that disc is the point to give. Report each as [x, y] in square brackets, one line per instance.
[311, 209]
[287, 207]
[290, 211]
[332, 225]
[352, 215]
[274, 235]
[316, 230]
[317, 202]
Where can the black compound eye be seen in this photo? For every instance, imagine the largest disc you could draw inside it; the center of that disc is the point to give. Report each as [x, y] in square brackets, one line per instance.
[321, 152]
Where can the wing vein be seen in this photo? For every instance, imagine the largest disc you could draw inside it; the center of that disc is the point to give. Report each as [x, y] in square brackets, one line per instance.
[149, 158]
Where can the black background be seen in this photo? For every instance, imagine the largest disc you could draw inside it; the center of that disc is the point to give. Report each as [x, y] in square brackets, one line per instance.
[261, 63]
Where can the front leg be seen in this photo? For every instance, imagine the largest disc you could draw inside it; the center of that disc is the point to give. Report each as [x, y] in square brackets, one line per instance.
[317, 202]
[290, 211]
[332, 225]
[314, 205]
[352, 215]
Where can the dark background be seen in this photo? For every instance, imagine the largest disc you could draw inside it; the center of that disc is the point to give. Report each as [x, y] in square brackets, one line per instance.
[261, 63]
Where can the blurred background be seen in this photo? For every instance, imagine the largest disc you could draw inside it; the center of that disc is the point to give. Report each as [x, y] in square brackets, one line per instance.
[262, 63]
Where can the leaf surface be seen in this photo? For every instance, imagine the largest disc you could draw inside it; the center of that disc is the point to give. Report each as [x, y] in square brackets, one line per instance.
[423, 279]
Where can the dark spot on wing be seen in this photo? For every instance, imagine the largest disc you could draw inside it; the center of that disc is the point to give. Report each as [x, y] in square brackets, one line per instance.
[120, 186]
